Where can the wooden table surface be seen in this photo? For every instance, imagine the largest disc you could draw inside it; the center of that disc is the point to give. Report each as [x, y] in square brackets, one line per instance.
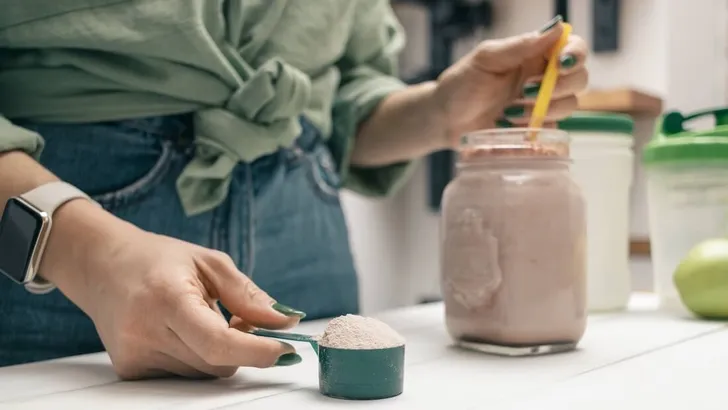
[639, 359]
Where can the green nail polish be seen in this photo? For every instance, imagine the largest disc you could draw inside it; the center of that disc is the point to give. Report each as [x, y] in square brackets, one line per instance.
[503, 123]
[551, 24]
[287, 310]
[567, 61]
[288, 359]
[514, 111]
[531, 90]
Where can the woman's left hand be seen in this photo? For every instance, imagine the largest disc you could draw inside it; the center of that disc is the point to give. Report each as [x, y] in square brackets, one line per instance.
[500, 79]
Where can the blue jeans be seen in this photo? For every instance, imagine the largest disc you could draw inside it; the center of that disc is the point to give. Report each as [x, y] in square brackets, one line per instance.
[282, 223]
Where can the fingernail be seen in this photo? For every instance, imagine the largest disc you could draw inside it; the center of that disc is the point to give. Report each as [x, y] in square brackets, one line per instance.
[567, 61]
[551, 24]
[514, 111]
[503, 123]
[288, 359]
[287, 310]
[531, 90]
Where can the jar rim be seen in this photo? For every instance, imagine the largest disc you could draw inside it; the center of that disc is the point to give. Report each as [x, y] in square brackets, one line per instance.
[514, 143]
[513, 135]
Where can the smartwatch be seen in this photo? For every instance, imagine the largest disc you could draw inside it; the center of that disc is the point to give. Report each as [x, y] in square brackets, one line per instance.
[24, 230]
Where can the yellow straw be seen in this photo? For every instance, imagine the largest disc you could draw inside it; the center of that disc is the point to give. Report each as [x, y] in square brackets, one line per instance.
[548, 83]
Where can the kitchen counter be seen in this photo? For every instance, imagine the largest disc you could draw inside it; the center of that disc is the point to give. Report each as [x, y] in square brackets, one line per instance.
[638, 359]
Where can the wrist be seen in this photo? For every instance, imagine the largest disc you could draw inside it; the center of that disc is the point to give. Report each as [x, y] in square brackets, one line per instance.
[82, 240]
[436, 112]
[82, 235]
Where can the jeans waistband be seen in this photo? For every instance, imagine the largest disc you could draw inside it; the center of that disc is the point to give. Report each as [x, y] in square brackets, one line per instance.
[179, 129]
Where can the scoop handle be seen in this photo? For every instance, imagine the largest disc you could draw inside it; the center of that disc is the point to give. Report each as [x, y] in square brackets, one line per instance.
[295, 337]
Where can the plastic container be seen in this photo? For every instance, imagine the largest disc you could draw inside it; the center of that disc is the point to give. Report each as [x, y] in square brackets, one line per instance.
[687, 194]
[603, 163]
[513, 245]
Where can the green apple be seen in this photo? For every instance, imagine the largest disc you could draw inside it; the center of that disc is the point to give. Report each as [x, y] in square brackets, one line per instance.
[702, 279]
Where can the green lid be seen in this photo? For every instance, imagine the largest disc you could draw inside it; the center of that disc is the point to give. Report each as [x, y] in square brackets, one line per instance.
[673, 143]
[598, 122]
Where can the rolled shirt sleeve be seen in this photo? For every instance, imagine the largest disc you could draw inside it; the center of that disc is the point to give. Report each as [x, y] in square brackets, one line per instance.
[368, 75]
[14, 138]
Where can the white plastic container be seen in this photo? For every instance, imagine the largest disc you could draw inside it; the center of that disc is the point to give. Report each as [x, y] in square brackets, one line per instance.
[601, 148]
[687, 195]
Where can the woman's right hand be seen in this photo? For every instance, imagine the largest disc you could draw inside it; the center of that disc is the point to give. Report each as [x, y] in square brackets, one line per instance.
[153, 301]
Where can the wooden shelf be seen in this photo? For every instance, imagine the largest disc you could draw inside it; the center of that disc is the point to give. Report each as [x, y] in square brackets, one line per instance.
[639, 247]
[621, 100]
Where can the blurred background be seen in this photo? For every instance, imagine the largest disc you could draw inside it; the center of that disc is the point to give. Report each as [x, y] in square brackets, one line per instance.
[647, 56]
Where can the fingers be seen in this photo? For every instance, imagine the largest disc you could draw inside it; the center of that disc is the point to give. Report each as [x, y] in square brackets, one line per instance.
[143, 373]
[573, 55]
[571, 61]
[571, 81]
[569, 84]
[238, 323]
[208, 335]
[572, 58]
[179, 367]
[163, 365]
[503, 55]
[157, 365]
[243, 298]
[520, 114]
[196, 367]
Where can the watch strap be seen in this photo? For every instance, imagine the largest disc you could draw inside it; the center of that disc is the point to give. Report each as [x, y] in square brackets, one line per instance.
[47, 198]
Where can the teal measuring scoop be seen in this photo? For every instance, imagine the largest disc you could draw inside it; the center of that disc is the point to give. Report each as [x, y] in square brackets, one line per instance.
[353, 374]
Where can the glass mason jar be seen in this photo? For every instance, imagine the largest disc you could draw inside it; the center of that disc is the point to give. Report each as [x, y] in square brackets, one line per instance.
[513, 244]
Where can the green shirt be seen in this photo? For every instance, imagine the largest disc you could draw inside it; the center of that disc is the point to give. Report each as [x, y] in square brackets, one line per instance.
[248, 69]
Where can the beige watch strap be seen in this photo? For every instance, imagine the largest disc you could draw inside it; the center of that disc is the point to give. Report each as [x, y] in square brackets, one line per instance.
[47, 198]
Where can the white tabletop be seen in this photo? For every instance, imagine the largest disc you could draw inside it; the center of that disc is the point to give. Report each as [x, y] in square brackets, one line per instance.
[632, 360]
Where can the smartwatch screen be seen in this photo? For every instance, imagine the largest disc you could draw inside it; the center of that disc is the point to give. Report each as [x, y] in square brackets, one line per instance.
[19, 230]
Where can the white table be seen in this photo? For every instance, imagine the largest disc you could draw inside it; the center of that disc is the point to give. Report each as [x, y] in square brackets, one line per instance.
[633, 360]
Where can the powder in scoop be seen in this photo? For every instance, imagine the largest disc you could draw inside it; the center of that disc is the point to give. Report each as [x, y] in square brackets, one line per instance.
[359, 333]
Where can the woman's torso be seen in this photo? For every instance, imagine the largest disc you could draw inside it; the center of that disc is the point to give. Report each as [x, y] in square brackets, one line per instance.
[73, 61]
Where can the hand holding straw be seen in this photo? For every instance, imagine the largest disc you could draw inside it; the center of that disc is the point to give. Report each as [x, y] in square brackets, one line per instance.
[543, 100]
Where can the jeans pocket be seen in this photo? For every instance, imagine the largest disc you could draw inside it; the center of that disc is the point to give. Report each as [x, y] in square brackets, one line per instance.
[114, 164]
[321, 170]
[142, 186]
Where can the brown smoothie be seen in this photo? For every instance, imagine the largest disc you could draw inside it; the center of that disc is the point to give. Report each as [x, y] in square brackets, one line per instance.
[513, 241]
